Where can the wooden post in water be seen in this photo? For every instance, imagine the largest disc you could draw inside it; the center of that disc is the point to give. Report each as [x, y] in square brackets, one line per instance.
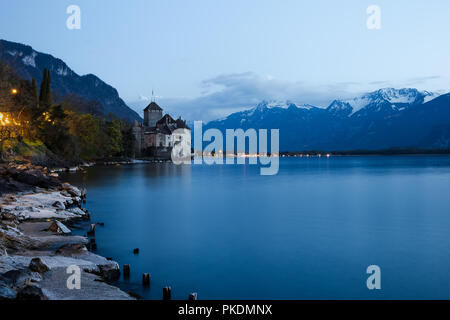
[193, 296]
[92, 230]
[126, 271]
[93, 246]
[167, 293]
[146, 279]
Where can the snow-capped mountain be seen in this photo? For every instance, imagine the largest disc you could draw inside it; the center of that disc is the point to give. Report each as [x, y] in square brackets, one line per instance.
[389, 99]
[29, 64]
[375, 120]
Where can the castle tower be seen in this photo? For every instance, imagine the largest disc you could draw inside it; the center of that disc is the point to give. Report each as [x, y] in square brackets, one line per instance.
[152, 114]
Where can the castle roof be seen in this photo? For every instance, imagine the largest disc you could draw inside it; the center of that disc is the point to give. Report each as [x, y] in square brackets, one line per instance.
[153, 106]
[165, 120]
[181, 124]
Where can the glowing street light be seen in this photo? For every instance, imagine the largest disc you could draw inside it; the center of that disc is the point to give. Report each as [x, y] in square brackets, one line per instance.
[14, 91]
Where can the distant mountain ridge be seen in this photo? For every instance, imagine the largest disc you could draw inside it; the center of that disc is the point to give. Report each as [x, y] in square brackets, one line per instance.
[28, 64]
[386, 118]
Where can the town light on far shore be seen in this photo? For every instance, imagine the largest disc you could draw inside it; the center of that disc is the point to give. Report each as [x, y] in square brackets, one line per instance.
[14, 91]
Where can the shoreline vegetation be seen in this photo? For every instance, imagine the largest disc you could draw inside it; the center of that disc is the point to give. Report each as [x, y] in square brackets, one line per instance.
[36, 245]
[44, 128]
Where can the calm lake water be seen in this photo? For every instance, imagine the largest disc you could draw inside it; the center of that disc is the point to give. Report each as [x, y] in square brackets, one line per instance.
[309, 232]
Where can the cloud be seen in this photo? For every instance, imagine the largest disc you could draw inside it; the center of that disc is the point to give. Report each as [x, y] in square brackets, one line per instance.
[411, 82]
[228, 93]
[421, 80]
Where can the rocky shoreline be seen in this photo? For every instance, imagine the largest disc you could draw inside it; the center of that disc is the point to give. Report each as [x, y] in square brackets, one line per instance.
[37, 250]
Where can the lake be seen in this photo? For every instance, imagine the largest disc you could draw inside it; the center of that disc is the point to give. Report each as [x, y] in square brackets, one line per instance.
[309, 232]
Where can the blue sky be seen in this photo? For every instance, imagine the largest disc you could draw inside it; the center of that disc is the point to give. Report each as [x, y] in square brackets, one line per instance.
[206, 58]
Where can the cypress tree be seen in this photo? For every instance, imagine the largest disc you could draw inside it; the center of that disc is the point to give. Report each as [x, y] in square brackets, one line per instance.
[48, 98]
[45, 97]
[42, 93]
[35, 92]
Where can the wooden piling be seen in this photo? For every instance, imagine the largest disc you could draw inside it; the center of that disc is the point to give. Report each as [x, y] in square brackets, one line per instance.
[92, 230]
[167, 293]
[93, 246]
[193, 296]
[146, 279]
[126, 271]
[136, 251]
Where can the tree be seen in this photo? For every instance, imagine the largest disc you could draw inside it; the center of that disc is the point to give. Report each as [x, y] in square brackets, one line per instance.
[115, 137]
[45, 97]
[43, 93]
[129, 142]
[48, 97]
[35, 93]
[8, 130]
[85, 128]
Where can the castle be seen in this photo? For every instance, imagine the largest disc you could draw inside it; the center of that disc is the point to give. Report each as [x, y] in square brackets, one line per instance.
[158, 134]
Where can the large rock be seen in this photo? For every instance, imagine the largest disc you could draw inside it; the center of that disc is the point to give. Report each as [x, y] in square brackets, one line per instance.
[59, 227]
[59, 205]
[78, 211]
[74, 191]
[6, 292]
[13, 239]
[69, 250]
[32, 177]
[7, 215]
[31, 292]
[36, 265]
[110, 272]
[21, 277]
[66, 194]
[2, 250]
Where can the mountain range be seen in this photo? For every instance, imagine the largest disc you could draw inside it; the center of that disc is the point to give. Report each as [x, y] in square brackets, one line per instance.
[28, 64]
[383, 119]
[386, 118]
